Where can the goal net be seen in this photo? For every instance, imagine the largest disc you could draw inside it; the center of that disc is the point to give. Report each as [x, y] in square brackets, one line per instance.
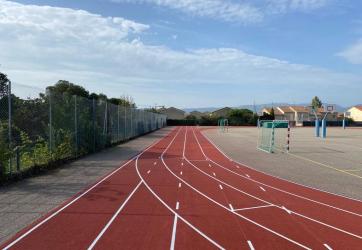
[274, 136]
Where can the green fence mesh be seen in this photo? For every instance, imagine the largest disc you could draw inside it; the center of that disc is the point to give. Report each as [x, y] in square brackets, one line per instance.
[59, 126]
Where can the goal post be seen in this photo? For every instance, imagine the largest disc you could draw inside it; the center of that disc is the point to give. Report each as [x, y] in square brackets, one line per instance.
[274, 136]
[223, 125]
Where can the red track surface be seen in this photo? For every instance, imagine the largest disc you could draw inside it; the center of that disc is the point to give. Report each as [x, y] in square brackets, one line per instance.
[184, 193]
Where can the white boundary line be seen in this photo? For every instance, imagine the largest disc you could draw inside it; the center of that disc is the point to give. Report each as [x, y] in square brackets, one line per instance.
[226, 208]
[328, 247]
[173, 211]
[113, 218]
[173, 238]
[296, 213]
[250, 208]
[251, 245]
[278, 189]
[56, 212]
[277, 177]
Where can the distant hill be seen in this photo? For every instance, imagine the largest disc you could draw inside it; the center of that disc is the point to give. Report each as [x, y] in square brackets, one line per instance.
[258, 107]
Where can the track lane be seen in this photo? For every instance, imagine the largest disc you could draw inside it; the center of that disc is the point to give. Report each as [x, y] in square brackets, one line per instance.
[338, 215]
[293, 189]
[76, 226]
[264, 237]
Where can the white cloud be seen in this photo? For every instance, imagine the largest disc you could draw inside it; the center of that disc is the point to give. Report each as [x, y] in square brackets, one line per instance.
[353, 54]
[45, 44]
[217, 9]
[282, 6]
[250, 11]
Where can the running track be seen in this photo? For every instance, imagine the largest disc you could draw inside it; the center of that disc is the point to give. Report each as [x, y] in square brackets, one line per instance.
[183, 193]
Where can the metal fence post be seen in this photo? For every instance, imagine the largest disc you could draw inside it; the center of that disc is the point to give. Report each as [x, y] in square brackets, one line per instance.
[118, 125]
[75, 126]
[50, 121]
[94, 123]
[10, 125]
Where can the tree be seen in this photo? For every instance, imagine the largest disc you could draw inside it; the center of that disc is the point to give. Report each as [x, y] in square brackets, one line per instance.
[4, 81]
[63, 86]
[316, 102]
[191, 117]
[272, 113]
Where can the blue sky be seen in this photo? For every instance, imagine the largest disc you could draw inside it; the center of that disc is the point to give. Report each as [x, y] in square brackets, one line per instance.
[187, 53]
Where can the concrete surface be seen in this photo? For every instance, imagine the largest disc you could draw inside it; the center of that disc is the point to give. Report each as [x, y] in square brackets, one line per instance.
[333, 164]
[23, 202]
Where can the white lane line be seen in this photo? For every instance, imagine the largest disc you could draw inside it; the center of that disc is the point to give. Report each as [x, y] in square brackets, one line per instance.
[262, 189]
[179, 185]
[281, 190]
[213, 174]
[184, 149]
[177, 205]
[328, 247]
[287, 210]
[113, 217]
[248, 208]
[56, 212]
[220, 186]
[231, 207]
[173, 238]
[257, 198]
[294, 212]
[251, 245]
[226, 208]
[149, 171]
[181, 173]
[169, 208]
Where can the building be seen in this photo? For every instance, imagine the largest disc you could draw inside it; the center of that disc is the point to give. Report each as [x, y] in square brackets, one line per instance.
[277, 113]
[355, 113]
[224, 112]
[301, 114]
[288, 113]
[173, 113]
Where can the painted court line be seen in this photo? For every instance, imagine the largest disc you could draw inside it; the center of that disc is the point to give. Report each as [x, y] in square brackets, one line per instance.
[249, 208]
[226, 208]
[287, 210]
[169, 208]
[303, 216]
[328, 247]
[173, 239]
[251, 245]
[262, 189]
[298, 214]
[113, 217]
[313, 188]
[325, 165]
[231, 207]
[70, 203]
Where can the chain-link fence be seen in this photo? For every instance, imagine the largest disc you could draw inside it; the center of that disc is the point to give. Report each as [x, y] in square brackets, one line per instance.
[5, 127]
[57, 127]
